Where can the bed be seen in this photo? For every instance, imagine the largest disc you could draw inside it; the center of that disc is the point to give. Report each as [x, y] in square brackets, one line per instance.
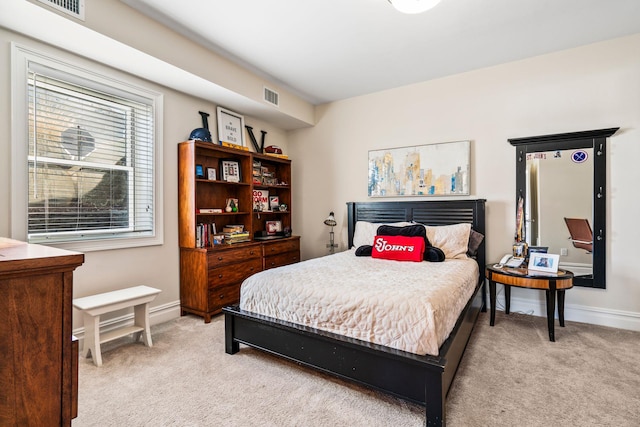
[420, 378]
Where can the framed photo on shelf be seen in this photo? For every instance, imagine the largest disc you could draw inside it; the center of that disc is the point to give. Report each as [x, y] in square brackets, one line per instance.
[230, 127]
[230, 170]
[274, 203]
[199, 171]
[544, 262]
[273, 227]
[211, 174]
[260, 200]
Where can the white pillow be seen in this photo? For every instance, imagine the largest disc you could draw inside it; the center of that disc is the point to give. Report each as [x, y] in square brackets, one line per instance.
[452, 239]
[365, 231]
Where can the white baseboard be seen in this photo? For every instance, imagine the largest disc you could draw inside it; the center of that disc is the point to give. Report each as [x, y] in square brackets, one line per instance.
[158, 314]
[575, 313]
[572, 312]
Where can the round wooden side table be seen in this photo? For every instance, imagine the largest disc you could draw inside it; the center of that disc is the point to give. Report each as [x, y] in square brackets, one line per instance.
[551, 283]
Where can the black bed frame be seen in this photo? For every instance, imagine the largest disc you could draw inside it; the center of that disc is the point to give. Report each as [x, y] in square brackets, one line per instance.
[420, 379]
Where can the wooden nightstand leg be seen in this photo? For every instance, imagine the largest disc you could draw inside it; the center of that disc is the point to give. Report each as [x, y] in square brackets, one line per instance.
[551, 309]
[561, 307]
[484, 296]
[507, 299]
[492, 301]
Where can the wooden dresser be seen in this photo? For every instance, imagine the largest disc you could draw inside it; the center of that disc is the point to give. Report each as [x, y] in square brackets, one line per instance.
[38, 356]
[279, 253]
[210, 278]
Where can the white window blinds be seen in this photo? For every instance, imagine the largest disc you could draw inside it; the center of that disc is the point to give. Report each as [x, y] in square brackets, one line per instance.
[90, 159]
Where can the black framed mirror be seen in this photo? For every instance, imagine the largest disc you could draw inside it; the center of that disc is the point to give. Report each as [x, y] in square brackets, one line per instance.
[562, 179]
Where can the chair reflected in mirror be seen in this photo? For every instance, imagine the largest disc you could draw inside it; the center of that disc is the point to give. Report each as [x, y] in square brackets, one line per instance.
[581, 233]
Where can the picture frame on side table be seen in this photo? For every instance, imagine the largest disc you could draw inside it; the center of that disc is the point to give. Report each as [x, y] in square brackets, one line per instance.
[230, 170]
[230, 127]
[544, 262]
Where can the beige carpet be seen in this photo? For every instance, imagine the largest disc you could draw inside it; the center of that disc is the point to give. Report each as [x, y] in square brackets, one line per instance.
[511, 375]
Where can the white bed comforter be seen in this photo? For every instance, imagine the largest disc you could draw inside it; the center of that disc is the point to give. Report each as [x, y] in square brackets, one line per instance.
[409, 306]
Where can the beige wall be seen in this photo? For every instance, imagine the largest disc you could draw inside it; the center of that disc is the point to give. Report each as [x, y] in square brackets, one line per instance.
[592, 87]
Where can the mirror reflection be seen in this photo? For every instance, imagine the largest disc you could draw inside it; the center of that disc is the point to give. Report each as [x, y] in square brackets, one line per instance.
[559, 207]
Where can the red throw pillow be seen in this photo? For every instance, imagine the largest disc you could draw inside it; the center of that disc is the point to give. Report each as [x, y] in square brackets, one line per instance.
[399, 248]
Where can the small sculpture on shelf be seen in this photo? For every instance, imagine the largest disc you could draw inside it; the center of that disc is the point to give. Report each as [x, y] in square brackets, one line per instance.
[203, 133]
[232, 205]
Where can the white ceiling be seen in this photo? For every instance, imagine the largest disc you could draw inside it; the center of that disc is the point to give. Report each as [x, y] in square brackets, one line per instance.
[327, 50]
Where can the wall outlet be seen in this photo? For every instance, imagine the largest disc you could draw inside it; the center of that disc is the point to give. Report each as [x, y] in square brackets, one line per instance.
[564, 251]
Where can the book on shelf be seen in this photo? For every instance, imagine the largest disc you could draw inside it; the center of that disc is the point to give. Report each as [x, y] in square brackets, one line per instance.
[236, 146]
[280, 156]
[233, 228]
[204, 234]
[231, 238]
[208, 210]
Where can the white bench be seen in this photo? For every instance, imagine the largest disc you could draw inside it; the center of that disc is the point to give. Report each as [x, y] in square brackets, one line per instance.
[93, 306]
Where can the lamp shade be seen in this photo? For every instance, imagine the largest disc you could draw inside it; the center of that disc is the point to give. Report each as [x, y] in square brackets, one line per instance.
[413, 6]
[331, 220]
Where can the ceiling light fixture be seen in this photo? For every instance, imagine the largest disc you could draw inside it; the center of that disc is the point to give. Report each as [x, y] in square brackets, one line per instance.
[413, 6]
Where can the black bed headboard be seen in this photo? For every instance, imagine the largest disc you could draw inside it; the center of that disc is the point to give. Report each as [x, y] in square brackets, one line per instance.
[437, 212]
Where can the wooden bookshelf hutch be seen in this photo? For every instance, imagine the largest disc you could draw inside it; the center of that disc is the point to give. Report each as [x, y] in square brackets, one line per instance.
[211, 275]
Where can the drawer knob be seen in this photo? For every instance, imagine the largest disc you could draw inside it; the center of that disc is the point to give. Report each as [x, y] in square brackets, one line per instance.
[219, 276]
[219, 258]
[221, 296]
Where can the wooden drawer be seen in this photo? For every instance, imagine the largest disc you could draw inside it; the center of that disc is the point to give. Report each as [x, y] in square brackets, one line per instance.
[281, 259]
[236, 273]
[224, 296]
[229, 256]
[273, 248]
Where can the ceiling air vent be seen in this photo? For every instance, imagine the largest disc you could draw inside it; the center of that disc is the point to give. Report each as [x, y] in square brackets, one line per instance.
[272, 97]
[74, 8]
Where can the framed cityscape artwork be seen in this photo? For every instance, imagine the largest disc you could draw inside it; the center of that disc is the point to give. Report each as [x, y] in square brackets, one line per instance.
[423, 170]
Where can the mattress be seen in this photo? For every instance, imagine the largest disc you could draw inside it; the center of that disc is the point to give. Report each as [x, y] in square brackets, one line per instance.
[409, 306]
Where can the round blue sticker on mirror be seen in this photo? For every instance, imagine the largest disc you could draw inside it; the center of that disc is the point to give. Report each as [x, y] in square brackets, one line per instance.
[579, 156]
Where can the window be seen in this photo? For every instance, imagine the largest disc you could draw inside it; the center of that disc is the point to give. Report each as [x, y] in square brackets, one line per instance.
[89, 149]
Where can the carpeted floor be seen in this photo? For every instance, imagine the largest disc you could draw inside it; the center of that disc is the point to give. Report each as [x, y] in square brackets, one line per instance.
[511, 375]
